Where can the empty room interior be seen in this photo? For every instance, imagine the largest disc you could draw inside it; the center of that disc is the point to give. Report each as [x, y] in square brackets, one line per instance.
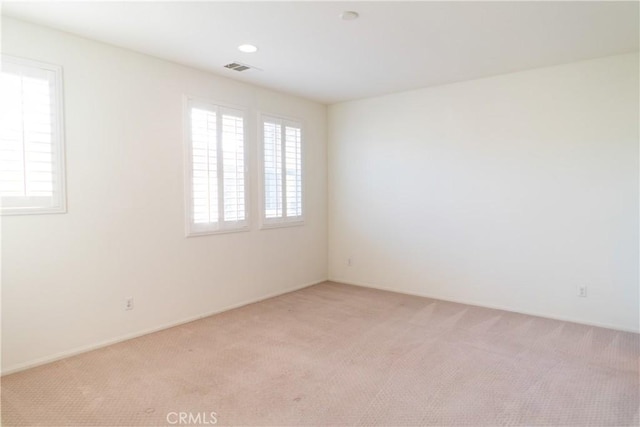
[320, 213]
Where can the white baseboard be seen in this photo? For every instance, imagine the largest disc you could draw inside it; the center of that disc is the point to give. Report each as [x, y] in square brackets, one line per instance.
[479, 304]
[79, 350]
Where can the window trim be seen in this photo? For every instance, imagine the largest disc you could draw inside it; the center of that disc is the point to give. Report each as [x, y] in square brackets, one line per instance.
[223, 227]
[59, 205]
[281, 222]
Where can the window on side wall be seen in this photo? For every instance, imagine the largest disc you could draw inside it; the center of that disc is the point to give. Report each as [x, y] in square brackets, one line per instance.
[32, 176]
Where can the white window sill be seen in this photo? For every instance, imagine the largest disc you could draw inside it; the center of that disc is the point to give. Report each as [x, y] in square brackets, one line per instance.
[281, 224]
[213, 232]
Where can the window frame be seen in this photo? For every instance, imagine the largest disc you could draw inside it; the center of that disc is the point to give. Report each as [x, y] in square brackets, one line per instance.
[28, 205]
[221, 227]
[282, 221]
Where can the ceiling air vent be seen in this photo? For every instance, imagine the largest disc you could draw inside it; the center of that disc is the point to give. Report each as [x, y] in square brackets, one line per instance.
[236, 66]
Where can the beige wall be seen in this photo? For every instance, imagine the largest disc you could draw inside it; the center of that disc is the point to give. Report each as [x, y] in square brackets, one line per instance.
[508, 192]
[65, 277]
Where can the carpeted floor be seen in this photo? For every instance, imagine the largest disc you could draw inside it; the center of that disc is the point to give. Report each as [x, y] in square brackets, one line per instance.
[340, 355]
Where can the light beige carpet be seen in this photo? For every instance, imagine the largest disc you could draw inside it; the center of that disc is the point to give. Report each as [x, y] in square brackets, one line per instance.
[341, 355]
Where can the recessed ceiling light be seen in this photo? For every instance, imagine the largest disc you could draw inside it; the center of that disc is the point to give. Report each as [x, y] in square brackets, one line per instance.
[349, 15]
[247, 48]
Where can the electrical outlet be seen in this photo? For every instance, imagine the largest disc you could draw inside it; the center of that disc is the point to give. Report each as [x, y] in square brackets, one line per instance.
[128, 303]
[582, 291]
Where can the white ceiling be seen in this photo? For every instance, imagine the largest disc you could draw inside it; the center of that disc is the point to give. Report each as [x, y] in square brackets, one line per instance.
[305, 49]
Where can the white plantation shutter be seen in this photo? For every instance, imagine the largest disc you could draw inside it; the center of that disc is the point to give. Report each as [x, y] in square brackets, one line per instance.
[293, 168]
[233, 166]
[272, 171]
[31, 143]
[204, 176]
[217, 173]
[282, 171]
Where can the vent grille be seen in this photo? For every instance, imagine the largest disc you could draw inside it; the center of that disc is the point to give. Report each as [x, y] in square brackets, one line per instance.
[236, 66]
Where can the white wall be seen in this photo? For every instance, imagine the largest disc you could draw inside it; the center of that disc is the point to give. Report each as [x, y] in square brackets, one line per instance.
[507, 192]
[65, 277]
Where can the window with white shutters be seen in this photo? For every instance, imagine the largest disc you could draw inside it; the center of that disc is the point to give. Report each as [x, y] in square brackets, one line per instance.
[31, 137]
[216, 177]
[281, 172]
